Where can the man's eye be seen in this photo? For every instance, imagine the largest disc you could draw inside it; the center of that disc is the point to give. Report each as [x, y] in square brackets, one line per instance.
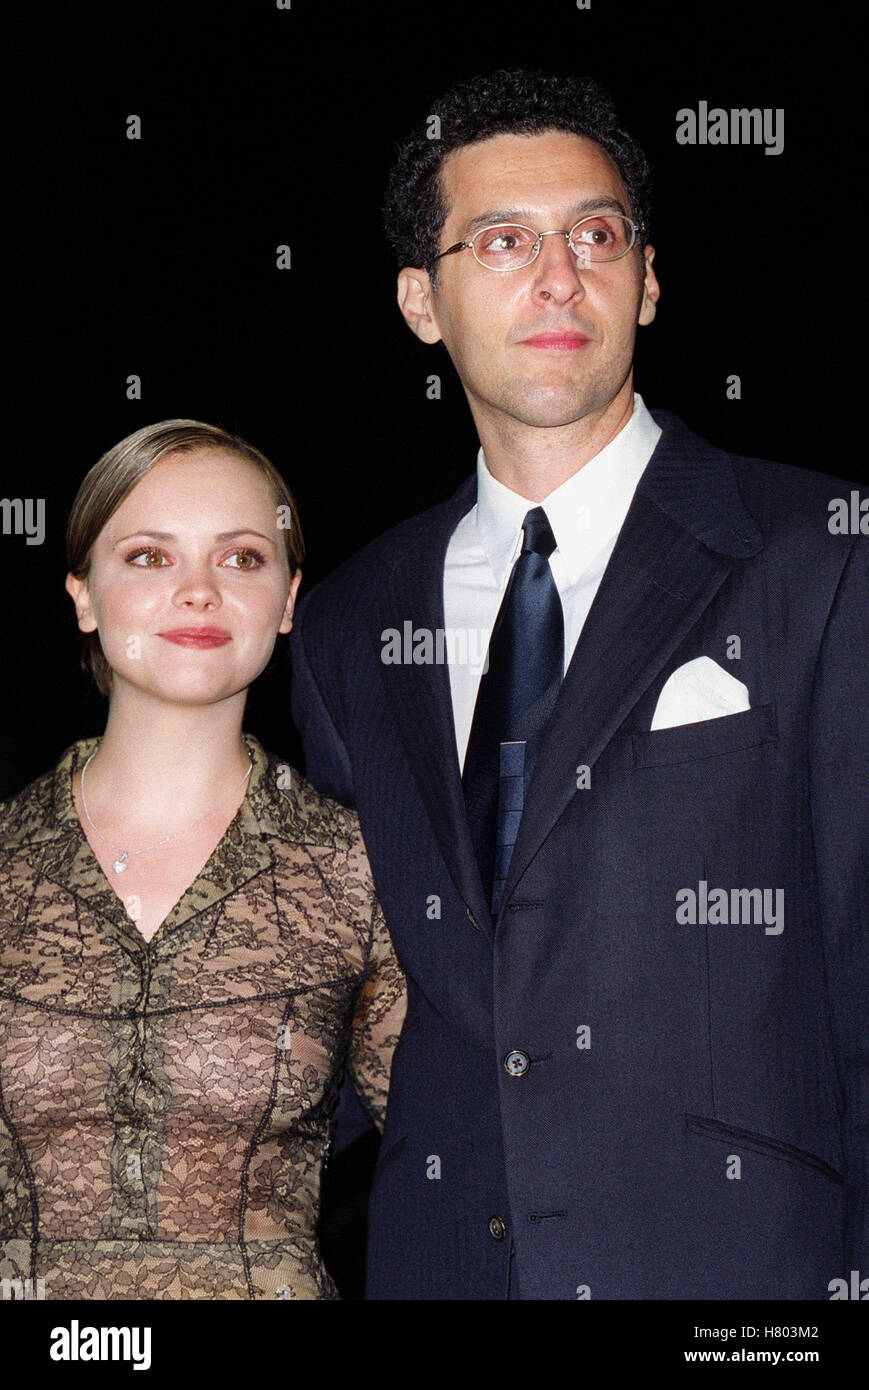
[599, 235]
[246, 560]
[147, 559]
[504, 241]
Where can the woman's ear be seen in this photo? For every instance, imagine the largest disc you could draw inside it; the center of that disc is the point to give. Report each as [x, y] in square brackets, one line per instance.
[80, 595]
[287, 619]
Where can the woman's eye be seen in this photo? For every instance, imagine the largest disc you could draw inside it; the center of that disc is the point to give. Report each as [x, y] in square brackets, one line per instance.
[147, 559]
[150, 558]
[246, 560]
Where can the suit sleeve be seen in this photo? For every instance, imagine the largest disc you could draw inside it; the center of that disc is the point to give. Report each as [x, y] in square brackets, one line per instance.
[839, 759]
[327, 765]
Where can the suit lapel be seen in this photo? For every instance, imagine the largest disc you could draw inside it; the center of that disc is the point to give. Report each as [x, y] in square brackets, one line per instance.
[660, 578]
[419, 694]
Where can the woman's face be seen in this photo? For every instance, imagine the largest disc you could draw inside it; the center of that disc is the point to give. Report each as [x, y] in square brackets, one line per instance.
[189, 582]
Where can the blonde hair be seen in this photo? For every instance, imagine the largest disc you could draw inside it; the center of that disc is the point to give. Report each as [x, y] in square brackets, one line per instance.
[115, 475]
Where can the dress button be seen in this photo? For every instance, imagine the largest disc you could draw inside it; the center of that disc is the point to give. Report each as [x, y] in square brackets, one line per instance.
[516, 1063]
[497, 1228]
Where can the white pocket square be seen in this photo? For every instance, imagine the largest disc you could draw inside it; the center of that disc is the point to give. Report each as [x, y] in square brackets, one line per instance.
[701, 689]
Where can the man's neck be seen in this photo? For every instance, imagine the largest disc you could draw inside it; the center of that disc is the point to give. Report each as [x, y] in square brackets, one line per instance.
[534, 461]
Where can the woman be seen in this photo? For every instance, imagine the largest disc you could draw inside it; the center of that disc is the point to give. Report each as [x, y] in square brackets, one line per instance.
[189, 937]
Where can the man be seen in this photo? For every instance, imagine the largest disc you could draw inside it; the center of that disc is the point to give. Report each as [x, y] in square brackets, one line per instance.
[625, 865]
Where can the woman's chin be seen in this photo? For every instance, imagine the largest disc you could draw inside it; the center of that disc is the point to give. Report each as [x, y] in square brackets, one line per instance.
[187, 688]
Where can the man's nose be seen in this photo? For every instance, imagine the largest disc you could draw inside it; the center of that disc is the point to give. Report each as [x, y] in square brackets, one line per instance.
[558, 270]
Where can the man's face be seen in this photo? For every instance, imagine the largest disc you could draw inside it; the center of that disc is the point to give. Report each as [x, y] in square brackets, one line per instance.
[495, 324]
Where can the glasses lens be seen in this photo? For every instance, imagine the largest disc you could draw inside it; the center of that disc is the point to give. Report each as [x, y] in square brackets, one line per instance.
[505, 247]
[604, 237]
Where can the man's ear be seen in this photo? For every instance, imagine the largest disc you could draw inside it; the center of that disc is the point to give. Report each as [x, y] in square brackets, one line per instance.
[80, 595]
[289, 607]
[415, 302]
[651, 289]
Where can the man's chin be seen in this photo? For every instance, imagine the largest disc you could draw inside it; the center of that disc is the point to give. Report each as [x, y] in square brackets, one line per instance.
[544, 410]
[538, 404]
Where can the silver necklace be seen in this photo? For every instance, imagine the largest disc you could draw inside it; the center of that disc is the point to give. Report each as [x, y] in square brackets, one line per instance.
[120, 864]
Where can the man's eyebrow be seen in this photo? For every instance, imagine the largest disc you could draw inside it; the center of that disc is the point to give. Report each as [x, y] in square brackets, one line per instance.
[522, 215]
[221, 537]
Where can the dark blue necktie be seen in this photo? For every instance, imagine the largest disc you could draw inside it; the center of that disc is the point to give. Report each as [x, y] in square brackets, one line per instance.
[516, 697]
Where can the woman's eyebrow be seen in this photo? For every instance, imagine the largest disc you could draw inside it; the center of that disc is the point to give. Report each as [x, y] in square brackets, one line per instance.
[245, 531]
[171, 536]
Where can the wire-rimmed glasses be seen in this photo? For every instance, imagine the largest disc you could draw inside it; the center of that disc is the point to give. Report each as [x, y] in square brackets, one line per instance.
[605, 236]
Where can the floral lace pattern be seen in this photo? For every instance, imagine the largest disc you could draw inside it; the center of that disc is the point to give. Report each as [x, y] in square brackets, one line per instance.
[165, 1106]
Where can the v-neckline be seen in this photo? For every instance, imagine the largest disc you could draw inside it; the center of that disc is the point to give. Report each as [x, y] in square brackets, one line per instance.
[220, 874]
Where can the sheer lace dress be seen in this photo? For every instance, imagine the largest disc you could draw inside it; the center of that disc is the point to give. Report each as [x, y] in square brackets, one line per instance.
[165, 1106]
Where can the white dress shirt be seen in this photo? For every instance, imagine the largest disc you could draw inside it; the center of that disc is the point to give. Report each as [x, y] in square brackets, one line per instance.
[586, 514]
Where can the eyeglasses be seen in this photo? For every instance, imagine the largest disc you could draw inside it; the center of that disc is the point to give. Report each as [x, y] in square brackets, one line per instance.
[509, 246]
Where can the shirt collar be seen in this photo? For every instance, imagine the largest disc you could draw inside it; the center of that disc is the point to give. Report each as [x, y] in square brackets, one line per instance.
[585, 512]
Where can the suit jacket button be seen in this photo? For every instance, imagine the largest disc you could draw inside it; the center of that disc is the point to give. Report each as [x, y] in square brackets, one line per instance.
[473, 920]
[516, 1063]
[497, 1228]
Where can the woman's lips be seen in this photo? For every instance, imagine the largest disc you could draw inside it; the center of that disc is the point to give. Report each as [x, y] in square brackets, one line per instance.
[197, 636]
[561, 342]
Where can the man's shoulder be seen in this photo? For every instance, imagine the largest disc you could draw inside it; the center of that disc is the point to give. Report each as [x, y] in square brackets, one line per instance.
[800, 512]
[349, 586]
[785, 487]
[763, 472]
[787, 500]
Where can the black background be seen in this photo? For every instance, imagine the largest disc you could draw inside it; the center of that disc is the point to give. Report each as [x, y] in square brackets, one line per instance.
[263, 127]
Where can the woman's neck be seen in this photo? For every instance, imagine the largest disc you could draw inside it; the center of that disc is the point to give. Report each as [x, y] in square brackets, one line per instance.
[159, 763]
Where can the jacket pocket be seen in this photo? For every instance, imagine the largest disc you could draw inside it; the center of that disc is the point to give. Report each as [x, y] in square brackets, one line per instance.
[762, 1144]
[707, 738]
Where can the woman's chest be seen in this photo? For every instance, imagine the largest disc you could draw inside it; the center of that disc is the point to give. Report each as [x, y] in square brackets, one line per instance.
[149, 887]
[219, 1018]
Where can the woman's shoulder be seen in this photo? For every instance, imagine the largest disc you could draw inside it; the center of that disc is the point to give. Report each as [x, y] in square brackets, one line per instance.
[287, 804]
[31, 814]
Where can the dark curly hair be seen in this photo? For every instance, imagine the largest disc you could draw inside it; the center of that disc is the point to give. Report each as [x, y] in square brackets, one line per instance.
[520, 101]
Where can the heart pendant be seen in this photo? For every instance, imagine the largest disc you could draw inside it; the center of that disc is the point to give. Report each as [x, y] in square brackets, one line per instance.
[119, 865]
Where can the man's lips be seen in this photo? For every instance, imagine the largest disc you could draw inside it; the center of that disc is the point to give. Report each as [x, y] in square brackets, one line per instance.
[197, 636]
[562, 342]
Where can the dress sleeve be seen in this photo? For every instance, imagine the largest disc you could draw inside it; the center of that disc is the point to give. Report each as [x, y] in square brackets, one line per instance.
[377, 1021]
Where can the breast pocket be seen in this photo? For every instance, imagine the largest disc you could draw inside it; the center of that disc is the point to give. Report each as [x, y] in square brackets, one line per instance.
[708, 738]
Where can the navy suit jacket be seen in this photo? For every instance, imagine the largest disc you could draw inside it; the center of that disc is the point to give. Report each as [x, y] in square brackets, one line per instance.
[692, 1121]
